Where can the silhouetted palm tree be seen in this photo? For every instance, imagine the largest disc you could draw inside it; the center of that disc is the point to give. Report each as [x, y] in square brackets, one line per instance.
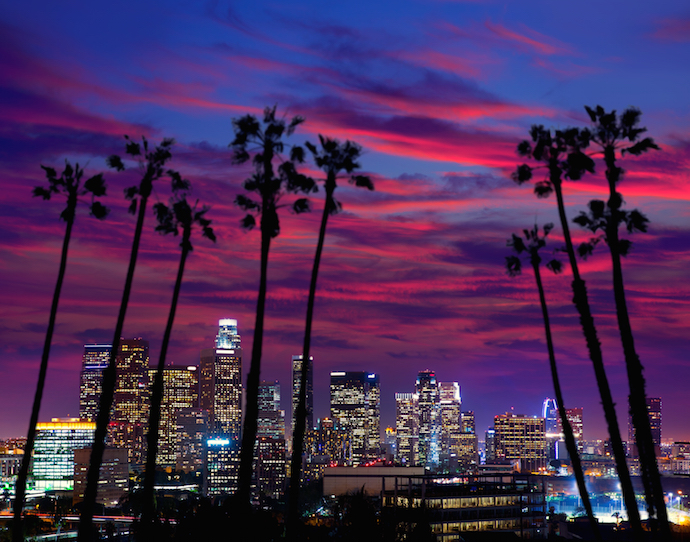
[333, 158]
[67, 184]
[265, 140]
[531, 245]
[614, 134]
[152, 164]
[179, 217]
[561, 154]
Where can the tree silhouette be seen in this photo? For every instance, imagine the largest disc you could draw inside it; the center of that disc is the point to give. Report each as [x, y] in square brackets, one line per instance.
[265, 140]
[333, 158]
[152, 166]
[562, 156]
[176, 218]
[68, 184]
[531, 245]
[613, 134]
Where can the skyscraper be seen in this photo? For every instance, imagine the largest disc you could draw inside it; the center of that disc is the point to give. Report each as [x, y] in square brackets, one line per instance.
[95, 359]
[296, 383]
[131, 400]
[450, 420]
[355, 404]
[130, 411]
[220, 381]
[429, 418]
[270, 442]
[654, 409]
[180, 390]
[220, 394]
[407, 428]
[521, 437]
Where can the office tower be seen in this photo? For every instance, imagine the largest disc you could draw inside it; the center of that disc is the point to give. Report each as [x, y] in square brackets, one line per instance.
[130, 412]
[271, 420]
[113, 480]
[407, 428]
[222, 464]
[191, 432]
[490, 446]
[131, 400]
[220, 394]
[53, 460]
[355, 404]
[429, 418]
[521, 437]
[95, 359]
[449, 420]
[270, 442]
[574, 416]
[468, 452]
[220, 381]
[328, 444]
[296, 383]
[553, 427]
[180, 390]
[654, 409]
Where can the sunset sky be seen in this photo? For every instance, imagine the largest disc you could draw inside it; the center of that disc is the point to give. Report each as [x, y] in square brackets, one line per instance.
[438, 93]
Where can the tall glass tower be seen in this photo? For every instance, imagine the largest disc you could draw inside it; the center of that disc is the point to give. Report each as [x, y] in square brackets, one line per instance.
[429, 418]
[94, 361]
[296, 383]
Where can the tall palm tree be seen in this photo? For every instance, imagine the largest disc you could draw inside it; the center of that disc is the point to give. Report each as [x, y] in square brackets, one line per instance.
[152, 165]
[265, 140]
[67, 184]
[333, 158]
[561, 154]
[613, 134]
[178, 217]
[531, 245]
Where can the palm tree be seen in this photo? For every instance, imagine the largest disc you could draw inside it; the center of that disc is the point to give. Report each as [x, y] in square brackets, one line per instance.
[531, 245]
[180, 216]
[265, 140]
[561, 154]
[69, 185]
[614, 134]
[152, 165]
[333, 158]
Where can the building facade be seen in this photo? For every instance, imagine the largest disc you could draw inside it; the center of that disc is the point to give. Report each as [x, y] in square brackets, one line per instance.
[407, 428]
[52, 465]
[296, 383]
[521, 437]
[355, 405]
[94, 361]
[429, 418]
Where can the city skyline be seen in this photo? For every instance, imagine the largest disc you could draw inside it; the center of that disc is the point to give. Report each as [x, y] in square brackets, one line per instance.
[412, 275]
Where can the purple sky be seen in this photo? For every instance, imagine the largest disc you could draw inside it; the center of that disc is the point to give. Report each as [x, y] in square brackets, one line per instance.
[438, 93]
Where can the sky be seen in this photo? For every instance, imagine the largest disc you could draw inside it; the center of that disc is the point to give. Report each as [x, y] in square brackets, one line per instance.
[438, 94]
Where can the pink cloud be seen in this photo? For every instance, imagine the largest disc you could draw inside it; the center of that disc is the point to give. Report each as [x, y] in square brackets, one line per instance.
[532, 39]
[675, 30]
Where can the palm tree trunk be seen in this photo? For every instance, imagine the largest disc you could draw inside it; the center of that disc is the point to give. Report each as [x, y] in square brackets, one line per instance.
[20, 488]
[301, 414]
[567, 428]
[149, 507]
[108, 390]
[638, 399]
[253, 379]
[581, 302]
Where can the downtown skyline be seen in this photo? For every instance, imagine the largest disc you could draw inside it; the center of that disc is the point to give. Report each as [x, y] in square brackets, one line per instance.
[413, 274]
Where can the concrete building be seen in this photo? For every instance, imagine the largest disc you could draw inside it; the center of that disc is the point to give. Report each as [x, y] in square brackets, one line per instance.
[113, 481]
